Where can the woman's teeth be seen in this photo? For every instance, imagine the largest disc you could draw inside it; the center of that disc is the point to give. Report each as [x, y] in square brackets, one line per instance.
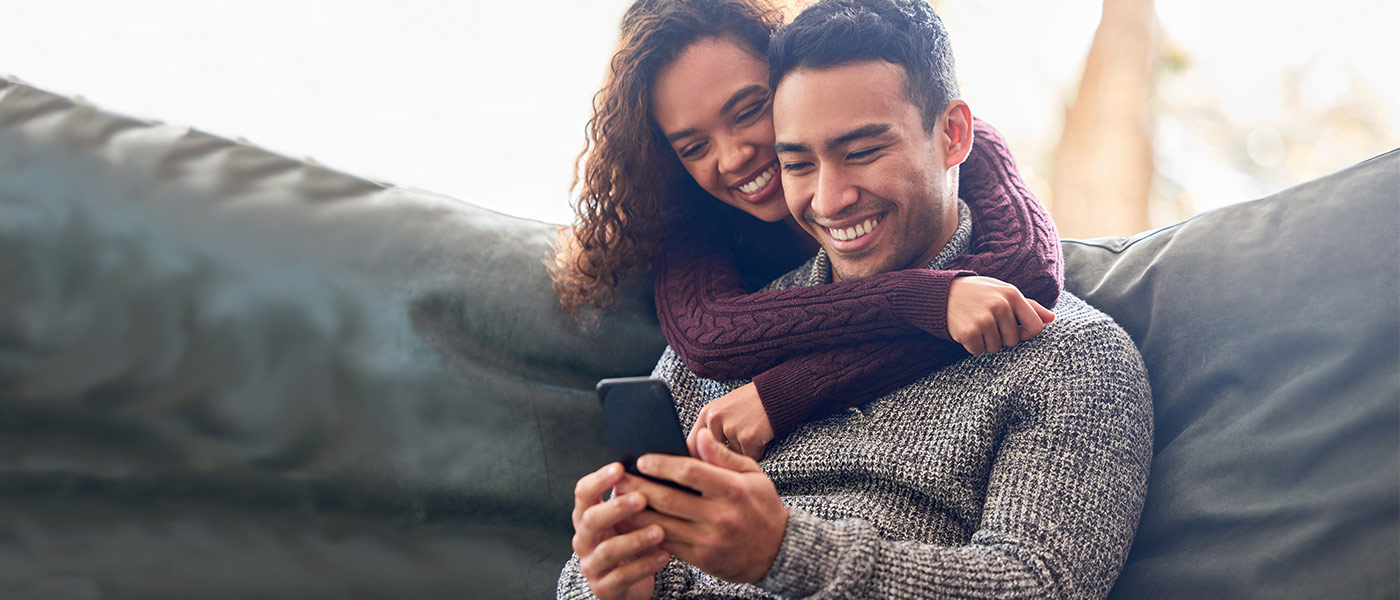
[851, 233]
[759, 182]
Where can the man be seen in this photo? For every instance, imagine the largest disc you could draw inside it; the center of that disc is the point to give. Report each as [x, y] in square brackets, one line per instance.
[1018, 474]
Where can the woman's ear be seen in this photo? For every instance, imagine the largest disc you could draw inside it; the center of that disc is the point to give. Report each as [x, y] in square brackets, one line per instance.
[957, 132]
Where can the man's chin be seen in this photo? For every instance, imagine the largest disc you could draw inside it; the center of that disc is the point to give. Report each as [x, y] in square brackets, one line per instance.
[850, 270]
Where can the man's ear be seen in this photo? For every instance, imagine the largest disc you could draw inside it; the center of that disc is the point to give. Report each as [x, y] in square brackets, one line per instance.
[957, 133]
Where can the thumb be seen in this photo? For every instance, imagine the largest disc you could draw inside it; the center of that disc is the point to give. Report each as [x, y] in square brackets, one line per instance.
[717, 454]
[1045, 314]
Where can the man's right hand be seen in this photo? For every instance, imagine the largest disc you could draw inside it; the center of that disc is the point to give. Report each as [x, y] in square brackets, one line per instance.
[986, 314]
[617, 562]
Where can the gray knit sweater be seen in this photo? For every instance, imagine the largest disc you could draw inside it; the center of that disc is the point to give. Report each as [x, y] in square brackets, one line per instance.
[1013, 475]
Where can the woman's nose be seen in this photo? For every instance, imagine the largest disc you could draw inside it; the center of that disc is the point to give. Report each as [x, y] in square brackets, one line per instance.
[735, 156]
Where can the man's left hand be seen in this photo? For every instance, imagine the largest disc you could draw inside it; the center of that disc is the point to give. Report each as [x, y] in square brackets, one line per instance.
[733, 529]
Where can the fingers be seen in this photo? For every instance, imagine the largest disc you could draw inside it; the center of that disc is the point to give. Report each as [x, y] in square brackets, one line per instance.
[725, 457]
[662, 498]
[590, 488]
[1007, 332]
[599, 522]
[1030, 322]
[616, 582]
[690, 472]
[1046, 315]
[618, 549]
[709, 420]
[621, 561]
[693, 436]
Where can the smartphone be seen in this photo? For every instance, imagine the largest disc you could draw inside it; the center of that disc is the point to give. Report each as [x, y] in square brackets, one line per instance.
[641, 419]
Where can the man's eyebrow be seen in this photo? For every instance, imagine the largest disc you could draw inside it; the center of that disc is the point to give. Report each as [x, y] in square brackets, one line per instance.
[782, 147]
[859, 133]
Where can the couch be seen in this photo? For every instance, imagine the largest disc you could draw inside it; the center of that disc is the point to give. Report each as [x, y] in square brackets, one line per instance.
[226, 373]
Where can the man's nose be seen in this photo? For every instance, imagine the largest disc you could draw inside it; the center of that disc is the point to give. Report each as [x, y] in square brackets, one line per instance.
[834, 193]
[735, 156]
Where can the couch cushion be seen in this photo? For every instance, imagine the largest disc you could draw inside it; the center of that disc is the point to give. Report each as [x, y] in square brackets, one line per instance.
[1271, 333]
[224, 370]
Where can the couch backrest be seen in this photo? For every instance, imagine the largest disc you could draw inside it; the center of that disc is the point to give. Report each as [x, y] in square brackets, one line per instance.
[1271, 334]
[226, 370]
[227, 373]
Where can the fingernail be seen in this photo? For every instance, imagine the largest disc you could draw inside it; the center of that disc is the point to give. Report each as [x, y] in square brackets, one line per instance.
[634, 500]
[643, 463]
[654, 535]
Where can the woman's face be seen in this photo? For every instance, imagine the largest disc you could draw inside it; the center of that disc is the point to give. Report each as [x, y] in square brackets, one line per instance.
[714, 107]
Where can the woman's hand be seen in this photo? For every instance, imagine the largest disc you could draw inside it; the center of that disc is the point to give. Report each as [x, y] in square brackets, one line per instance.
[986, 315]
[616, 561]
[736, 419]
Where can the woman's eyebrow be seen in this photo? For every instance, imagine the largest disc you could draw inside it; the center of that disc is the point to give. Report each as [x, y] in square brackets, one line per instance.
[740, 95]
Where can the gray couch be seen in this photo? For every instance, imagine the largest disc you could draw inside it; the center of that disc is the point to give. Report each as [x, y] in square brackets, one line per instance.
[225, 373]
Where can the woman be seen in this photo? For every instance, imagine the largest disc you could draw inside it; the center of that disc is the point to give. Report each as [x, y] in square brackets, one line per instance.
[649, 200]
[683, 121]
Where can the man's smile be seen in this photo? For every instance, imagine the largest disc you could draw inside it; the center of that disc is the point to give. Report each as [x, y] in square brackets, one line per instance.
[852, 235]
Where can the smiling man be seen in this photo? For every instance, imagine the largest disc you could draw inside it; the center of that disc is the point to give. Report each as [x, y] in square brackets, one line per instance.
[1019, 474]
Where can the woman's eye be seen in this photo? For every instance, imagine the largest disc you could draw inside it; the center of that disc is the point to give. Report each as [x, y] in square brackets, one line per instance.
[692, 151]
[753, 111]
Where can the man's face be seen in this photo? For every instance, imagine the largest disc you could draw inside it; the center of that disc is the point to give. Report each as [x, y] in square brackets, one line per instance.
[860, 173]
[713, 105]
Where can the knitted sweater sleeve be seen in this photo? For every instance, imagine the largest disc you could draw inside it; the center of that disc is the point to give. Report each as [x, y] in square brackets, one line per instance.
[1064, 495]
[723, 333]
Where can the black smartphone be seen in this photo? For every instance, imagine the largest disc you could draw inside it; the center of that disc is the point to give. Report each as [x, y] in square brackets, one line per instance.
[641, 419]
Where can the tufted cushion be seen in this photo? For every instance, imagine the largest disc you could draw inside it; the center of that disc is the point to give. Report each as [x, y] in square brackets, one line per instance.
[1271, 333]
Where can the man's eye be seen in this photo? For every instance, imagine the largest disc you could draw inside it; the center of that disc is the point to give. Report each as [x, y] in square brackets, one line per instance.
[794, 167]
[862, 154]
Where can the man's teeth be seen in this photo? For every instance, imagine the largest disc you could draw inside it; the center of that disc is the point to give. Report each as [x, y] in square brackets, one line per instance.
[858, 230]
[759, 182]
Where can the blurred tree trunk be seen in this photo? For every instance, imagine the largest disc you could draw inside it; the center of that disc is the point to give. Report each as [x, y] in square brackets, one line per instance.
[1102, 173]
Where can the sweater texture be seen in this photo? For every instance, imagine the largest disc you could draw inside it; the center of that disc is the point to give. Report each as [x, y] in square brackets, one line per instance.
[1019, 474]
[808, 348]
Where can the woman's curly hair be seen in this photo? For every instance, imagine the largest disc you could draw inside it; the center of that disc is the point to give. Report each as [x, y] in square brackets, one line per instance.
[632, 190]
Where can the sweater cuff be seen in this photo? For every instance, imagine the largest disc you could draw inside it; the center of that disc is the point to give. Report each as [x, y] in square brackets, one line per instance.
[922, 300]
[807, 559]
[784, 396]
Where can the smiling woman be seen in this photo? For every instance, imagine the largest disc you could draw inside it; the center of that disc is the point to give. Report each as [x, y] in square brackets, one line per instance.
[714, 106]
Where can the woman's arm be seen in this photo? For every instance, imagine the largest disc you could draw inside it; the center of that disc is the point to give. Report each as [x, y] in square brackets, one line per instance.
[721, 332]
[1014, 239]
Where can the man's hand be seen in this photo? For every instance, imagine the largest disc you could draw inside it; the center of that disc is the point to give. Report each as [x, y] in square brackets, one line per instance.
[733, 529]
[736, 418]
[618, 561]
[986, 315]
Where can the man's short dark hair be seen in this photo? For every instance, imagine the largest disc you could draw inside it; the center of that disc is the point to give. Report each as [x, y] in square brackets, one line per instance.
[903, 32]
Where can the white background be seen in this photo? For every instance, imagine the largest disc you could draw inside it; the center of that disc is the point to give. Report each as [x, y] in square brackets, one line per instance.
[486, 101]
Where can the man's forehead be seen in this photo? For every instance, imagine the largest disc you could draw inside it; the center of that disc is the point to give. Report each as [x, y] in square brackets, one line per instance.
[829, 105]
